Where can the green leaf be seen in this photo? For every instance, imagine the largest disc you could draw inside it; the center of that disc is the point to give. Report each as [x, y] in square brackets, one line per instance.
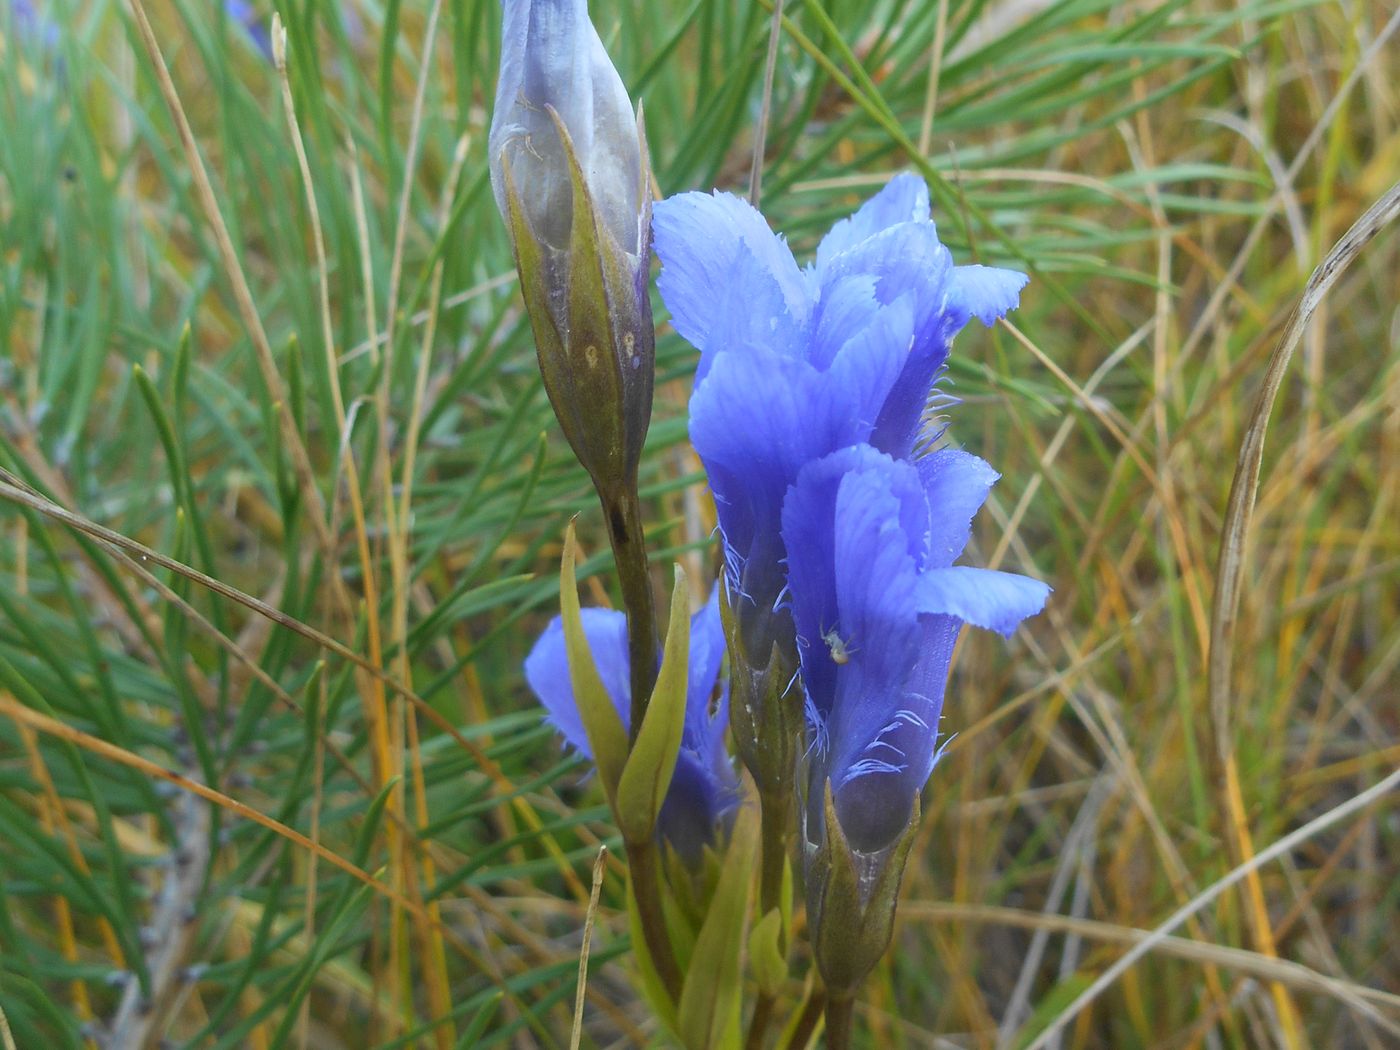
[606, 734]
[766, 958]
[708, 1016]
[648, 771]
[1051, 1006]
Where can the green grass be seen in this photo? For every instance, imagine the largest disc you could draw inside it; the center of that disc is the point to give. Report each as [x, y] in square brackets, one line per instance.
[402, 511]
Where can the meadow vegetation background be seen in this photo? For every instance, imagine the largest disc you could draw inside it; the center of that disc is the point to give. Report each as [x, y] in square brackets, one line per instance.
[282, 502]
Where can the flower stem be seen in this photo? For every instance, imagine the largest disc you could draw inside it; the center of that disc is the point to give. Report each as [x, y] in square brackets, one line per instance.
[646, 892]
[773, 816]
[623, 513]
[758, 1024]
[806, 1021]
[840, 1013]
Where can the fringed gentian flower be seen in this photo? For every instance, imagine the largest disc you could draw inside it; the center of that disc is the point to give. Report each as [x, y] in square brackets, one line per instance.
[878, 604]
[840, 524]
[795, 364]
[704, 789]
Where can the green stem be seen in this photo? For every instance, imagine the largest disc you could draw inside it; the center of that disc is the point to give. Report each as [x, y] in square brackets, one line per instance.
[623, 515]
[758, 1024]
[646, 892]
[774, 810]
[806, 1021]
[840, 1014]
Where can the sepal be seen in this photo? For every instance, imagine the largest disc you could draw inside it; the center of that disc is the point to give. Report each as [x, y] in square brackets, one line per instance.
[765, 708]
[591, 318]
[851, 901]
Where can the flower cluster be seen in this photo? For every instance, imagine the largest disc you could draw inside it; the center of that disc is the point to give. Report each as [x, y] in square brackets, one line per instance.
[841, 512]
[840, 522]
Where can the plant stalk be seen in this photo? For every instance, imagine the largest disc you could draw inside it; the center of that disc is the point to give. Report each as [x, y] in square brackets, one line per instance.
[773, 818]
[646, 892]
[622, 511]
[840, 1015]
[758, 1024]
[806, 1021]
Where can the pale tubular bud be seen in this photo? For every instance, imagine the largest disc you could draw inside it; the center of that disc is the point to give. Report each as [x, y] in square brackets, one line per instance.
[552, 58]
[568, 166]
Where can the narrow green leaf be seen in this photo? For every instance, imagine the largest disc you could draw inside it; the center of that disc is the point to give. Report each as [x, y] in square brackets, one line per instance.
[606, 734]
[766, 958]
[708, 1017]
[648, 771]
[480, 1020]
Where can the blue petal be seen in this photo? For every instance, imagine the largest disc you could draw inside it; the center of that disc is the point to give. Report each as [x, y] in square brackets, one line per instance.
[866, 373]
[852, 575]
[749, 311]
[704, 789]
[984, 292]
[809, 536]
[844, 310]
[697, 237]
[998, 601]
[757, 418]
[547, 672]
[906, 262]
[903, 199]
[876, 596]
[706, 657]
[956, 484]
[902, 259]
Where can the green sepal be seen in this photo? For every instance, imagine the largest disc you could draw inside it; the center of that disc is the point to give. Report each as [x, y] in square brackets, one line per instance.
[648, 771]
[765, 715]
[711, 1001]
[607, 737]
[602, 315]
[766, 958]
[851, 927]
[537, 276]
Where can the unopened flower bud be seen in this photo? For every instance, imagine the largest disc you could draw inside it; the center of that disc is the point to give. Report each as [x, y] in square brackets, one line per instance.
[569, 172]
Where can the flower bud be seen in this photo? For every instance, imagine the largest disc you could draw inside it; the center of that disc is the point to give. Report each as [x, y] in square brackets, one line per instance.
[568, 169]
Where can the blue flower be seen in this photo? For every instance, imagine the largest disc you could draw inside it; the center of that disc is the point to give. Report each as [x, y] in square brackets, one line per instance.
[704, 789]
[878, 604]
[798, 363]
[30, 24]
[252, 23]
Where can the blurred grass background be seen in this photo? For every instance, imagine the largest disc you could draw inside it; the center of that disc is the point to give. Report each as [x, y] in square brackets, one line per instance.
[282, 502]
